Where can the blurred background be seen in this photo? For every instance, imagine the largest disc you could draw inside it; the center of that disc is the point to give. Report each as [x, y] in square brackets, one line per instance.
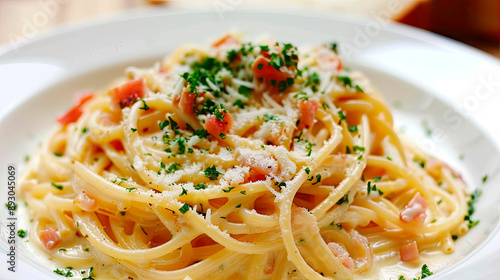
[473, 22]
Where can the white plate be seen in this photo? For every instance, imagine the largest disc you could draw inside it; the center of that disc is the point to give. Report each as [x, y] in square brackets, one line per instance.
[427, 76]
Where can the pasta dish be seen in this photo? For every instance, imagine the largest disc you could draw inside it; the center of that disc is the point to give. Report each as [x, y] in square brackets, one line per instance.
[239, 160]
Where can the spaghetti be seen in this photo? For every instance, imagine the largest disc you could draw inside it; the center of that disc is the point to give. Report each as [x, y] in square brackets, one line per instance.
[238, 161]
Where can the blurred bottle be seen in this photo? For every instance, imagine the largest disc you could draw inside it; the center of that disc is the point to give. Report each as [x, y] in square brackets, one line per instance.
[459, 19]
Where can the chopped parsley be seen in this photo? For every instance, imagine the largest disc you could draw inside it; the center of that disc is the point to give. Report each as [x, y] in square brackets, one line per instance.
[228, 189]
[245, 91]
[173, 125]
[426, 128]
[91, 270]
[172, 168]
[313, 80]
[58, 154]
[276, 61]
[212, 173]
[303, 96]
[200, 186]
[485, 178]
[425, 271]
[67, 272]
[344, 199]
[243, 192]
[231, 55]
[12, 207]
[163, 124]
[184, 192]
[22, 233]
[353, 128]
[130, 189]
[184, 208]
[309, 146]
[144, 105]
[202, 133]
[473, 198]
[84, 130]
[133, 129]
[358, 148]
[341, 115]
[345, 80]
[59, 187]
[308, 170]
[370, 188]
[421, 162]
[264, 48]
[334, 48]
[238, 103]
[318, 179]
[268, 117]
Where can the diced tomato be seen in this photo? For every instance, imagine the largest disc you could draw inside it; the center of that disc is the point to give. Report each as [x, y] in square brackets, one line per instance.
[187, 102]
[128, 93]
[307, 113]
[265, 54]
[228, 39]
[341, 253]
[262, 69]
[409, 252]
[74, 113]
[215, 127]
[415, 210]
[85, 202]
[50, 238]
[117, 145]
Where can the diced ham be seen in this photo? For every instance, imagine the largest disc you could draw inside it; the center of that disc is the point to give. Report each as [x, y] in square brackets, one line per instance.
[74, 113]
[85, 202]
[50, 238]
[415, 210]
[128, 93]
[409, 252]
[341, 253]
[215, 127]
[307, 113]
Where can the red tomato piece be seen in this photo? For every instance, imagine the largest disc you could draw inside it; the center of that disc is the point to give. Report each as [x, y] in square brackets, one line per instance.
[74, 113]
[215, 127]
[262, 69]
[128, 93]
